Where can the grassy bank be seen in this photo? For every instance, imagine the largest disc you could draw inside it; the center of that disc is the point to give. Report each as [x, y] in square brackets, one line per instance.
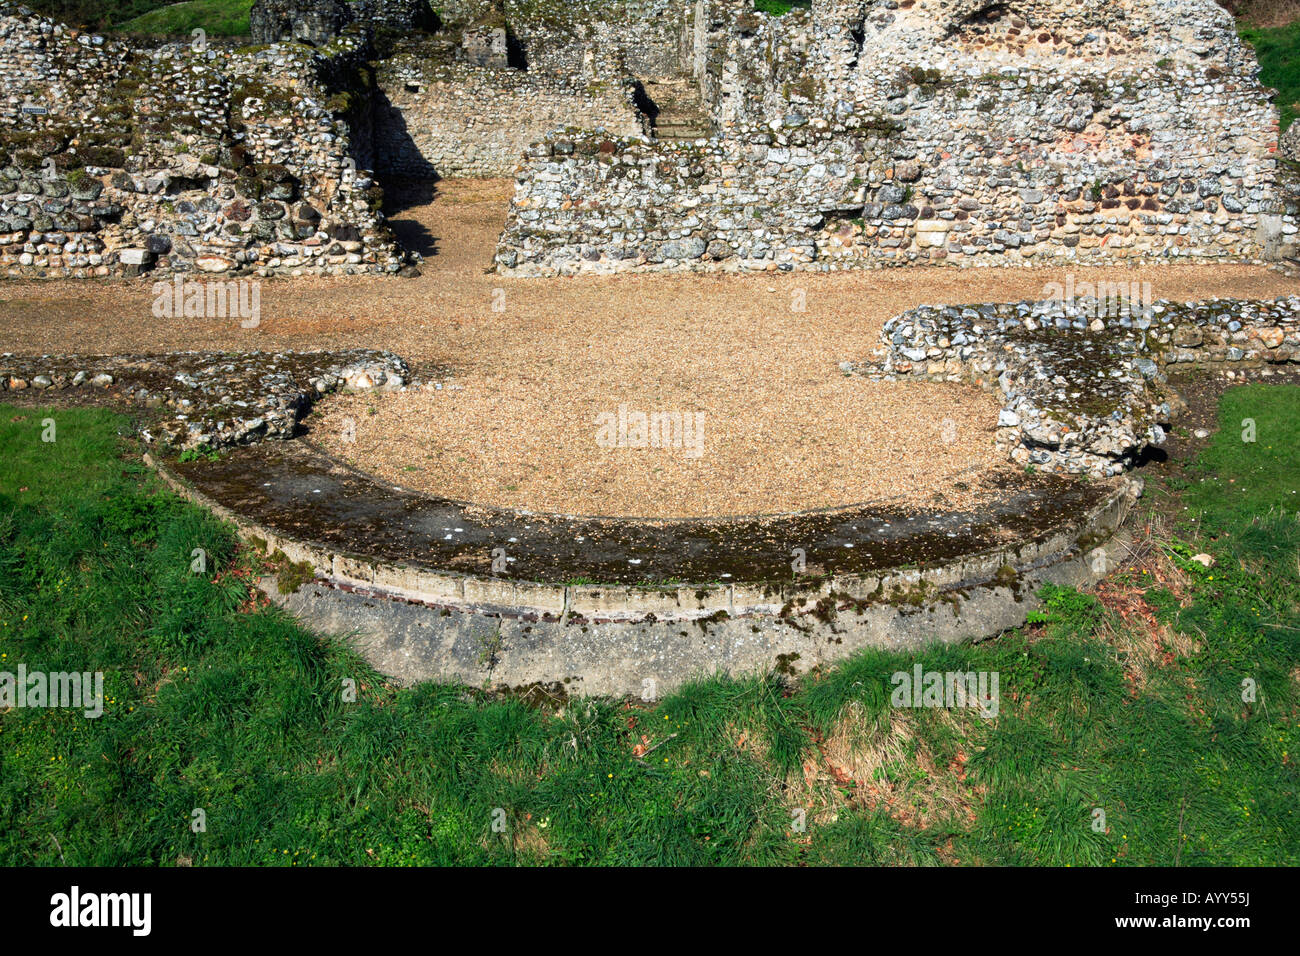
[218, 17]
[779, 8]
[1128, 703]
[1278, 50]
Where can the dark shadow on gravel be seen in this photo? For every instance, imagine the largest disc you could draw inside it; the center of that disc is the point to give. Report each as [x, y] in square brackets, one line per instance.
[401, 195]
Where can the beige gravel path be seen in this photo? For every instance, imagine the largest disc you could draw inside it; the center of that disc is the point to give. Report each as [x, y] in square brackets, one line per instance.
[782, 428]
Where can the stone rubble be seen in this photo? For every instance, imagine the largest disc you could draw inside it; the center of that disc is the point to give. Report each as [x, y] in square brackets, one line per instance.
[1289, 144]
[1085, 386]
[220, 399]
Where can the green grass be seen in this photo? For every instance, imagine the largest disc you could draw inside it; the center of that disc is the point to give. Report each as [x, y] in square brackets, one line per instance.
[777, 8]
[217, 17]
[239, 712]
[95, 14]
[1251, 466]
[1278, 50]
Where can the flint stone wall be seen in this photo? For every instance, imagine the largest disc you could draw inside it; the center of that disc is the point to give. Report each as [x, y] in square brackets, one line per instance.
[219, 161]
[1289, 144]
[213, 399]
[319, 22]
[1084, 381]
[1132, 130]
[303, 21]
[464, 120]
[644, 38]
[401, 14]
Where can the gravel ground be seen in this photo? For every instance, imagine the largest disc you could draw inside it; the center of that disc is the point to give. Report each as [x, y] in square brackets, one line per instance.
[782, 430]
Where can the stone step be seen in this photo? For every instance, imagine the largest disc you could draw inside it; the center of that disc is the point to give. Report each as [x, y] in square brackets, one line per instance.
[680, 108]
[681, 115]
[674, 119]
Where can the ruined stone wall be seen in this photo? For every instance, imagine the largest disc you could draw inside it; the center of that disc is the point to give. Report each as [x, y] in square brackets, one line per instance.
[457, 13]
[1116, 350]
[937, 132]
[463, 120]
[647, 38]
[469, 99]
[219, 160]
[402, 14]
[714, 26]
[319, 21]
[589, 203]
[48, 65]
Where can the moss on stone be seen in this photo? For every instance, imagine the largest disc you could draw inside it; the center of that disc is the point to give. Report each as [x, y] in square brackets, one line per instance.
[290, 575]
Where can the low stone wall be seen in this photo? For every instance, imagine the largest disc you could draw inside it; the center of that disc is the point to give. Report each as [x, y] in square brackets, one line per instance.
[464, 120]
[419, 620]
[572, 655]
[218, 399]
[1084, 381]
